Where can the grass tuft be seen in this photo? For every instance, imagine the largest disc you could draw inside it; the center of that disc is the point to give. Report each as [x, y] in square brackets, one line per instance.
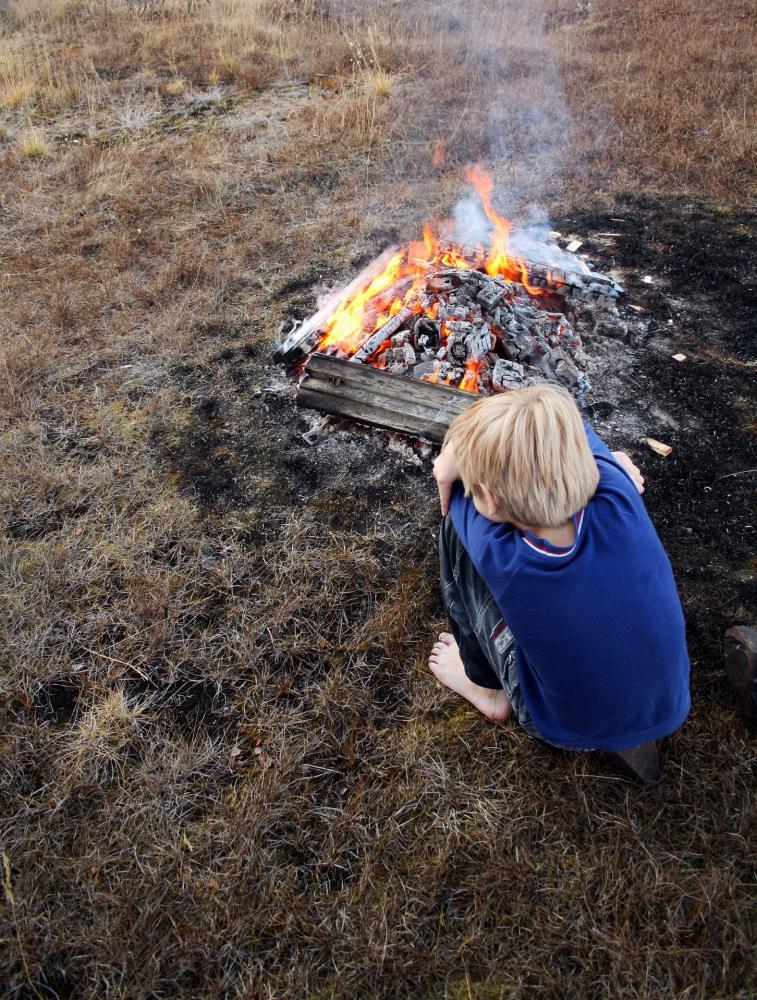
[99, 743]
[175, 87]
[34, 146]
[379, 83]
[16, 96]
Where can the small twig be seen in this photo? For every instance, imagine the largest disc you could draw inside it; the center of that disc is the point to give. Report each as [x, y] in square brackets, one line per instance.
[743, 472]
[113, 659]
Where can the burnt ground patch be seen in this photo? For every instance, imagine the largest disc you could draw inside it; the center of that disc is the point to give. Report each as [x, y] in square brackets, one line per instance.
[704, 255]
[55, 702]
[701, 303]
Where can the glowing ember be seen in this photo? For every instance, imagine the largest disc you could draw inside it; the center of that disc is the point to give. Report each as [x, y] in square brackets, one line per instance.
[470, 379]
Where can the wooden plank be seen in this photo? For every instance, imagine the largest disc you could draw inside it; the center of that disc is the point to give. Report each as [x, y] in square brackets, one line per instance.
[383, 399]
[370, 413]
[436, 413]
[383, 382]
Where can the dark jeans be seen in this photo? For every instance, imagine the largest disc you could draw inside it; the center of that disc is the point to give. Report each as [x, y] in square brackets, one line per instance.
[487, 646]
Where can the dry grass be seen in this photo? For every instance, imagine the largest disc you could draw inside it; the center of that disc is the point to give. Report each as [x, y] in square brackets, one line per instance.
[678, 81]
[33, 146]
[15, 96]
[225, 771]
[60, 55]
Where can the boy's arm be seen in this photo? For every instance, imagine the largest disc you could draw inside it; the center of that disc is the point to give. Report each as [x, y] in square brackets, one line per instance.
[600, 450]
[634, 473]
[446, 474]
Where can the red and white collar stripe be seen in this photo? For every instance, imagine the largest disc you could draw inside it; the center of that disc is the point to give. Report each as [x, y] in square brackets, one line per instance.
[539, 546]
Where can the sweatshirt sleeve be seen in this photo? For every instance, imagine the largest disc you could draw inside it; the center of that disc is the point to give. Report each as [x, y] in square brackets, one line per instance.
[598, 448]
[602, 454]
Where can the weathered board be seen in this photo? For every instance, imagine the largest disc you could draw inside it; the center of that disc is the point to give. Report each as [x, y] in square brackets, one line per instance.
[373, 396]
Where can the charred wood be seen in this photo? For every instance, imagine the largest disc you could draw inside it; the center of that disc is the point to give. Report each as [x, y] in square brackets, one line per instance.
[386, 332]
[399, 402]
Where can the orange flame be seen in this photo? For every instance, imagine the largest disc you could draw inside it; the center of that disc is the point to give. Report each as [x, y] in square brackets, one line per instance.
[359, 316]
[452, 258]
[469, 381]
[499, 261]
[345, 328]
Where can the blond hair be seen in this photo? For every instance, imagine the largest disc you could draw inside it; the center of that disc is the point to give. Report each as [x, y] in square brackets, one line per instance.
[529, 448]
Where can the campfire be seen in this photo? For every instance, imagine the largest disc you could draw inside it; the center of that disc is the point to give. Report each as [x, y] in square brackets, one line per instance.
[425, 326]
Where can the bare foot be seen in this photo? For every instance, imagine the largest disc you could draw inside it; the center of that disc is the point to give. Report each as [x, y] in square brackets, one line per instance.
[447, 667]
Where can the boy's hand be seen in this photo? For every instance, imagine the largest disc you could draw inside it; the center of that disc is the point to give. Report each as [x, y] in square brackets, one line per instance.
[446, 474]
[625, 460]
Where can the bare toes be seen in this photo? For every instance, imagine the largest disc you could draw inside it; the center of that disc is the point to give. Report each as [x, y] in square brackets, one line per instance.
[447, 638]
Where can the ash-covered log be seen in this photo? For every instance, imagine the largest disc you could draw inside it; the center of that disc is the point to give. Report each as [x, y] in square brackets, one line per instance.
[386, 332]
[586, 285]
[372, 396]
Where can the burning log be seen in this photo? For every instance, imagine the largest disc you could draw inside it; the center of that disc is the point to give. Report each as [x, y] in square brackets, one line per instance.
[302, 340]
[579, 282]
[386, 332]
[372, 396]
[464, 276]
[589, 286]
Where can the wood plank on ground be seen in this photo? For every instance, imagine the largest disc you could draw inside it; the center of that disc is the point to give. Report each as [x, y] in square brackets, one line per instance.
[381, 398]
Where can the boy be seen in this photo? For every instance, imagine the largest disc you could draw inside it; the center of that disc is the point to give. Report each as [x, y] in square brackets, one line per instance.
[560, 596]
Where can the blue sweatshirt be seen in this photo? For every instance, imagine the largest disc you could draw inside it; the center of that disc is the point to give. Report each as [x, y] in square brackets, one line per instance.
[599, 631]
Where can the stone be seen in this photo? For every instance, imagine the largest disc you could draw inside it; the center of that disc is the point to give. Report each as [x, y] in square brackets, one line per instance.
[741, 668]
[642, 762]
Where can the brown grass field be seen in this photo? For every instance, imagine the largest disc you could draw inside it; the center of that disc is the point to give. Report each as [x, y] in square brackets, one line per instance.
[226, 771]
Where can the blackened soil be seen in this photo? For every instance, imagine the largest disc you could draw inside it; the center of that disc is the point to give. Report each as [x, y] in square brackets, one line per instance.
[56, 701]
[249, 447]
[701, 303]
[704, 257]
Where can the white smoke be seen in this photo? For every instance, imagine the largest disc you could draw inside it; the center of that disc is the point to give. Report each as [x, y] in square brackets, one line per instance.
[471, 225]
[494, 97]
[535, 242]
[525, 114]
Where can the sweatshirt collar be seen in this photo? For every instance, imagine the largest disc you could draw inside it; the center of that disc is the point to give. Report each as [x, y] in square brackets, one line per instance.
[555, 551]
